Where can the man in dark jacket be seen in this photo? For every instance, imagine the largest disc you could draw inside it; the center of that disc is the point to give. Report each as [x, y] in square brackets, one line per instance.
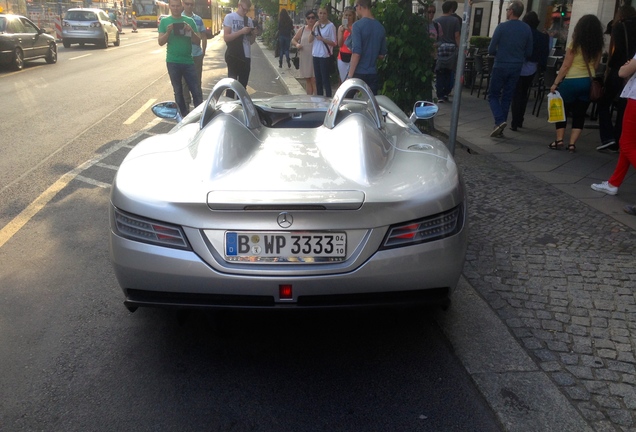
[511, 44]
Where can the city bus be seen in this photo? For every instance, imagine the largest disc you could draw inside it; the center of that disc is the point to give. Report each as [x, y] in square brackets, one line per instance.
[212, 14]
[148, 11]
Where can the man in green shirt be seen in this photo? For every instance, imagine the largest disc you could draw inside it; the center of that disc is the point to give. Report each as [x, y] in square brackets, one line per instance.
[180, 32]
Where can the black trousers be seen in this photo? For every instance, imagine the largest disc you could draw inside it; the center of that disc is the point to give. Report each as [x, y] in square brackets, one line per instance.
[239, 69]
[520, 100]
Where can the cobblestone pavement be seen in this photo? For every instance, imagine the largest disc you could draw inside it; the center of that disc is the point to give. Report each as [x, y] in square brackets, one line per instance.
[561, 275]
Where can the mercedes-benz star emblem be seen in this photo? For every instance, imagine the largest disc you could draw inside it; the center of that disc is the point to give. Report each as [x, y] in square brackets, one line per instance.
[285, 220]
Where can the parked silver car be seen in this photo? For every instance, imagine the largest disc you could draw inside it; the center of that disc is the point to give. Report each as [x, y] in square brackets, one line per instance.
[92, 26]
[289, 202]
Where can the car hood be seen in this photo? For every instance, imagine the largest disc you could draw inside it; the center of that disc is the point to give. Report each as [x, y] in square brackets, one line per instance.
[226, 167]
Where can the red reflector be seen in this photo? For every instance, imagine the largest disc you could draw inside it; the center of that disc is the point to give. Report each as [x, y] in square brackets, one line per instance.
[409, 231]
[285, 292]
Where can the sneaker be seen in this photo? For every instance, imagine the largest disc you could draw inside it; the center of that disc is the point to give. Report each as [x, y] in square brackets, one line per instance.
[606, 145]
[498, 130]
[605, 187]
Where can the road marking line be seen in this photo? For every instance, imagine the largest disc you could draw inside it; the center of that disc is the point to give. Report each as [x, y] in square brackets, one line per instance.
[85, 55]
[93, 182]
[10, 229]
[111, 167]
[139, 112]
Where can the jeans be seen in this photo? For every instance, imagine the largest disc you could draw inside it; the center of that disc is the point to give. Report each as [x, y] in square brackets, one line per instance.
[502, 86]
[443, 82]
[178, 71]
[198, 66]
[283, 43]
[321, 70]
[370, 79]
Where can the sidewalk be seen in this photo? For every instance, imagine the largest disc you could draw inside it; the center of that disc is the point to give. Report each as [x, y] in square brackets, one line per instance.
[527, 150]
[544, 317]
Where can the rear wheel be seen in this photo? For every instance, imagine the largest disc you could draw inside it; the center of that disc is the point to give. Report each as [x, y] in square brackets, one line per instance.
[66, 43]
[104, 43]
[18, 59]
[51, 55]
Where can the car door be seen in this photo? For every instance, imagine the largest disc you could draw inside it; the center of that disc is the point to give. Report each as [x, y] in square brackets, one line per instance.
[39, 44]
[110, 27]
[20, 38]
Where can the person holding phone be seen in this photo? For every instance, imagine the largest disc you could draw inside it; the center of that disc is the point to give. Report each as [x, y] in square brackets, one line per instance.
[239, 34]
[344, 31]
[179, 33]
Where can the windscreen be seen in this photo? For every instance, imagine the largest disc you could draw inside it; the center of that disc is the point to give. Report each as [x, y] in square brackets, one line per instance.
[80, 16]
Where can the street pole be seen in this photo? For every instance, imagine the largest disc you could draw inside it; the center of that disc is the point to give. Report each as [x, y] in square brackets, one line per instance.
[459, 76]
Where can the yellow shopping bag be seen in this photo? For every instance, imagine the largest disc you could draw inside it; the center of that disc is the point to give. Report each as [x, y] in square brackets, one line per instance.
[556, 110]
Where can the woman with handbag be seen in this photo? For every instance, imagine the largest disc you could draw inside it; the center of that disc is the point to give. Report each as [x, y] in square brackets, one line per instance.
[627, 143]
[323, 38]
[344, 31]
[574, 80]
[304, 47]
[285, 30]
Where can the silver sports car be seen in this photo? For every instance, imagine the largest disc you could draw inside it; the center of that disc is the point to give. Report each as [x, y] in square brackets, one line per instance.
[289, 202]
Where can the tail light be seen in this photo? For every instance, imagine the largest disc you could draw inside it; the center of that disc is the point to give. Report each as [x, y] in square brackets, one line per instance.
[425, 230]
[149, 231]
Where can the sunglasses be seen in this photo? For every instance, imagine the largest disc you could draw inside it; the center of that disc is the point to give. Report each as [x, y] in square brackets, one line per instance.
[311, 17]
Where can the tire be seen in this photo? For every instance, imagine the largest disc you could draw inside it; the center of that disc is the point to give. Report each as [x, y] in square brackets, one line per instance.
[104, 43]
[66, 43]
[18, 60]
[117, 41]
[51, 55]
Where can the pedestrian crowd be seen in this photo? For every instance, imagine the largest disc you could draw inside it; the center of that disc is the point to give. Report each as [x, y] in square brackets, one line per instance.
[519, 49]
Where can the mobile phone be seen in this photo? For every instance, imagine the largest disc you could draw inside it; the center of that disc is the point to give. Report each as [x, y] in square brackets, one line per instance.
[178, 28]
[345, 22]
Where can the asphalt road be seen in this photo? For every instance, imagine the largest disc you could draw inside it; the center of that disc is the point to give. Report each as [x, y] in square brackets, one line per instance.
[73, 358]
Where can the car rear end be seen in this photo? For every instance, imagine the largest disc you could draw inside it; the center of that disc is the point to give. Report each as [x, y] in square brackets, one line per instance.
[82, 26]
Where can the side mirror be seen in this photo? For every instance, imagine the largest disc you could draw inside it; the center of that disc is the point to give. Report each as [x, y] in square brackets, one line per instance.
[423, 110]
[167, 110]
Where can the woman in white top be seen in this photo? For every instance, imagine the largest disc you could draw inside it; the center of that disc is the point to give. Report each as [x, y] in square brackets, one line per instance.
[324, 39]
[304, 47]
[627, 142]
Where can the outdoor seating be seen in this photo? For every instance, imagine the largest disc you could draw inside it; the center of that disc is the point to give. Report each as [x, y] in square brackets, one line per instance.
[481, 71]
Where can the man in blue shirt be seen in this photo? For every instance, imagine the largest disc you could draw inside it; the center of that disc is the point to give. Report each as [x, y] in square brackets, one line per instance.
[368, 44]
[198, 50]
[511, 45]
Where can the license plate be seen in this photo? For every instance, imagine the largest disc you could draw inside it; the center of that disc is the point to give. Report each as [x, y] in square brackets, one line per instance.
[80, 27]
[285, 247]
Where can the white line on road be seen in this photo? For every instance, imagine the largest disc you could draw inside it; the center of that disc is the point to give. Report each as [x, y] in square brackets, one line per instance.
[92, 182]
[140, 111]
[79, 57]
[38, 204]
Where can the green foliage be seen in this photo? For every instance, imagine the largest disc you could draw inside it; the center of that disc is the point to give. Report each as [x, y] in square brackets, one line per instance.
[270, 7]
[407, 70]
[269, 33]
[480, 42]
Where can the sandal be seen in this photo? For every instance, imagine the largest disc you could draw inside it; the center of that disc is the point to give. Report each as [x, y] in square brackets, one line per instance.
[554, 145]
[571, 148]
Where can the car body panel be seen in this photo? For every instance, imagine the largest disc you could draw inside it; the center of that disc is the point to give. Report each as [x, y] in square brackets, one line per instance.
[19, 32]
[361, 176]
